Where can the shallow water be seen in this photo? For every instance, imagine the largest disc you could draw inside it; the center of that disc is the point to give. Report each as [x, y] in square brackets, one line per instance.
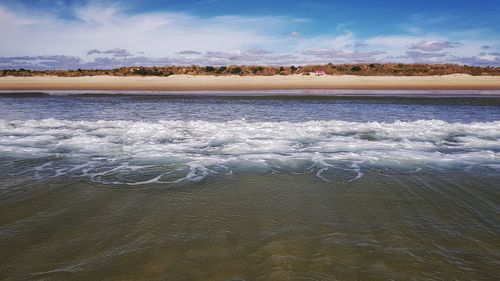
[192, 188]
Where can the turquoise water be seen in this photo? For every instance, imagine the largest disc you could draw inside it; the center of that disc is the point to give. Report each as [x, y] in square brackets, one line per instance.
[229, 188]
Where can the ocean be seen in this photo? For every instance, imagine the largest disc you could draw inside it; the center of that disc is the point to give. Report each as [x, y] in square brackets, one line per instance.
[225, 187]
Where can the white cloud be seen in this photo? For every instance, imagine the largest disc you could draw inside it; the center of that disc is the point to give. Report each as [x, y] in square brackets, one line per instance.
[116, 52]
[345, 55]
[105, 27]
[433, 46]
[107, 35]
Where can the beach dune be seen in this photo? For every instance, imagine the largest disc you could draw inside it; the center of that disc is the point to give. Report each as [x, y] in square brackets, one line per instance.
[226, 83]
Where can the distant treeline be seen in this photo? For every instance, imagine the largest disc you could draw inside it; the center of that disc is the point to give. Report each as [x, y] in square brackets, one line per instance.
[374, 69]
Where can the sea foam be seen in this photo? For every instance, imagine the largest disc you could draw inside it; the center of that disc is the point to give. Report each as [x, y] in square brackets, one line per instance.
[134, 152]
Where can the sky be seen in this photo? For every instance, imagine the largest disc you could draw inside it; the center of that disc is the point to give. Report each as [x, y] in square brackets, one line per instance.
[70, 34]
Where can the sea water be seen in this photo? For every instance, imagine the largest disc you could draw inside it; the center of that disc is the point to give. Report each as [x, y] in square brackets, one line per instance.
[176, 187]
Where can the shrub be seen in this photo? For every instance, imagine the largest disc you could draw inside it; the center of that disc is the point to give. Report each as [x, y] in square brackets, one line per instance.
[257, 69]
[209, 69]
[146, 72]
[221, 69]
[140, 71]
[355, 69]
[236, 70]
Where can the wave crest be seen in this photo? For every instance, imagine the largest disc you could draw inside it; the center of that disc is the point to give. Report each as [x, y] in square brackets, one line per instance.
[173, 151]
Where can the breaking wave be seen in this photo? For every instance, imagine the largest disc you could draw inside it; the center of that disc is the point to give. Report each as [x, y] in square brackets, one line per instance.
[135, 152]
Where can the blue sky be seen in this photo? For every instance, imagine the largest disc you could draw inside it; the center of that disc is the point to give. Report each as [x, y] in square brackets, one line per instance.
[45, 34]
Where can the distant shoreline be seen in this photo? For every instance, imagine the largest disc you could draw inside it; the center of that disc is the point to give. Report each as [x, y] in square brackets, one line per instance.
[186, 83]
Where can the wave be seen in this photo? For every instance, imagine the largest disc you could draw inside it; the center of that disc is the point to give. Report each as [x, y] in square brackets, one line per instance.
[136, 152]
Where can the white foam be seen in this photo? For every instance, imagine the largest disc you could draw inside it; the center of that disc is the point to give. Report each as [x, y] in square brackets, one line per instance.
[102, 148]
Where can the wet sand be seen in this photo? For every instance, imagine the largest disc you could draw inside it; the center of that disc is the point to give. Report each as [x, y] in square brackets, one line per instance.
[245, 83]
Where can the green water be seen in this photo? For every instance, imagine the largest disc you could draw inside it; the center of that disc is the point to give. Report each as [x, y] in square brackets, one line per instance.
[440, 226]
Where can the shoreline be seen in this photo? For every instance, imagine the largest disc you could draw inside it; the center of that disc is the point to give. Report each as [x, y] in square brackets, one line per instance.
[452, 94]
[185, 83]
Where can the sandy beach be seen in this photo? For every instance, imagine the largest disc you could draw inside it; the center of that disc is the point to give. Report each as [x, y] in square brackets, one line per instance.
[226, 83]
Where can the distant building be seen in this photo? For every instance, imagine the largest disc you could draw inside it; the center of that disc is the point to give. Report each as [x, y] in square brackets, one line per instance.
[319, 73]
